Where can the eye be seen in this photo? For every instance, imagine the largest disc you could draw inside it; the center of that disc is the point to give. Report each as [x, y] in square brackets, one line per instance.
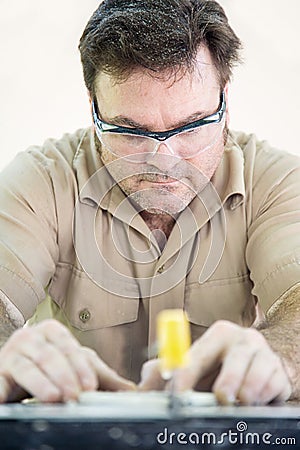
[131, 139]
[192, 131]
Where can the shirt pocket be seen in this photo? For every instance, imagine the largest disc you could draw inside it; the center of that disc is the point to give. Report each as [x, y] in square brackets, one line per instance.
[223, 299]
[89, 307]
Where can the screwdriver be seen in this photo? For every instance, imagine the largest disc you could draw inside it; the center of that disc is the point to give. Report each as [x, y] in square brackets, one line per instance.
[174, 340]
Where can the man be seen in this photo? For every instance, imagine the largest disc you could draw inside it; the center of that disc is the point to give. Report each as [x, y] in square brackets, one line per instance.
[157, 206]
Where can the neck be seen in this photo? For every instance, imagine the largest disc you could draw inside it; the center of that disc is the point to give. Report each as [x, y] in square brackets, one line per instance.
[161, 226]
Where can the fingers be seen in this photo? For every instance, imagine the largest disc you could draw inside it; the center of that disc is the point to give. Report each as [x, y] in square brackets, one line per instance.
[277, 383]
[205, 356]
[249, 371]
[41, 367]
[243, 370]
[75, 365]
[26, 374]
[7, 388]
[91, 371]
[151, 379]
[108, 379]
[47, 362]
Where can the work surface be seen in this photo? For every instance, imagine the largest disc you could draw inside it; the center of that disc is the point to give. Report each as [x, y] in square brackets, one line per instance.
[147, 424]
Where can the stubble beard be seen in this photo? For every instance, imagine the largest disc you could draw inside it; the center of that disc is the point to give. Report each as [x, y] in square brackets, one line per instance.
[161, 200]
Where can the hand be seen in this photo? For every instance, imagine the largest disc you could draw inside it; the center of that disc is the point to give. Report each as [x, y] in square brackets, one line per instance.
[47, 362]
[238, 361]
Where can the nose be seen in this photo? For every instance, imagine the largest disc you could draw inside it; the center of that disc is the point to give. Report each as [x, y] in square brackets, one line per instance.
[163, 157]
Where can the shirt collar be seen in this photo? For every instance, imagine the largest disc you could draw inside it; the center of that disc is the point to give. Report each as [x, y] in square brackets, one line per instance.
[228, 179]
[94, 181]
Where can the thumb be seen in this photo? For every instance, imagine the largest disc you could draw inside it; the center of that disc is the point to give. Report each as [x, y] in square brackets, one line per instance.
[109, 379]
[10, 391]
[151, 378]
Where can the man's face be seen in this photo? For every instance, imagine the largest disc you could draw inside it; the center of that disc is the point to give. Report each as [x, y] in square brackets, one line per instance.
[165, 183]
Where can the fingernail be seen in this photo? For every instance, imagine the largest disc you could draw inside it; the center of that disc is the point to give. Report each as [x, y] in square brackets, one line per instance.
[89, 384]
[230, 398]
[71, 394]
[131, 386]
[225, 398]
[4, 389]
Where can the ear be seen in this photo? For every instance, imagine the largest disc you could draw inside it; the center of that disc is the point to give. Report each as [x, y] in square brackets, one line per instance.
[91, 110]
[90, 98]
[226, 92]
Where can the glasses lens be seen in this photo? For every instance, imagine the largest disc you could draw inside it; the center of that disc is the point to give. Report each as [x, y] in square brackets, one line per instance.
[190, 143]
[185, 145]
[122, 144]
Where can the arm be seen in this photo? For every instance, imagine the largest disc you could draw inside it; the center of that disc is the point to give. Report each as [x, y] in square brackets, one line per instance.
[281, 329]
[10, 319]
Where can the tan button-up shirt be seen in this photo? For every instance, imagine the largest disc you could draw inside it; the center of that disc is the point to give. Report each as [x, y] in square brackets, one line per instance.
[73, 247]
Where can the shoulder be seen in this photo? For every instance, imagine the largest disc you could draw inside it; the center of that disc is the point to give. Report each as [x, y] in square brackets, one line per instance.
[62, 150]
[261, 159]
[271, 175]
[47, 170]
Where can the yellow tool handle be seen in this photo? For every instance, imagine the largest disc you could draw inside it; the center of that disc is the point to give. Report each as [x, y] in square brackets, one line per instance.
[174, 340]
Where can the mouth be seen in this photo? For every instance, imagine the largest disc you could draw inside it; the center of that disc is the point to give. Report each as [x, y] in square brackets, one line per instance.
[160, 180]
[165, 182]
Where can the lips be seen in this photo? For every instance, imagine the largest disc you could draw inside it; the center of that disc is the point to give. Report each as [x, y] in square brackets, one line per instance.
[159, 179]
[170, 181]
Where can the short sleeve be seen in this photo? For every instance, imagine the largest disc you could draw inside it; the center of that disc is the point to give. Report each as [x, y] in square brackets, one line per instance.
[28, 230]
[273, 250]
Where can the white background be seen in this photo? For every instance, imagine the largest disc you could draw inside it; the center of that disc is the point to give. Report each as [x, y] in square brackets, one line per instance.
[42, 93]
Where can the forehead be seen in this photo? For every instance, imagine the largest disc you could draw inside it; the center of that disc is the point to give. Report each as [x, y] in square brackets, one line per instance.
[141, 90]
[203, 72]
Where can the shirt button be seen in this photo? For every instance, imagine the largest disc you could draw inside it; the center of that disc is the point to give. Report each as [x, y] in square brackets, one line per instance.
[84, 315]
[161, 269]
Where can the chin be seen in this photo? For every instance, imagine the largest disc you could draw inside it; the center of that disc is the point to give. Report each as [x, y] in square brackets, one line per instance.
[160, 203]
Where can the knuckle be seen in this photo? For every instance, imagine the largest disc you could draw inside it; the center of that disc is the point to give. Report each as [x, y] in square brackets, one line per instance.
[21, 366]
[250, 391]
[221, 326]
[17, 341]
[50, 395]
[151, 363]
[255, 337]
[44, 356]
[277, 361]
[89, 352]
[149, 367]
[277, 391]
[52, 325]
[21, 335]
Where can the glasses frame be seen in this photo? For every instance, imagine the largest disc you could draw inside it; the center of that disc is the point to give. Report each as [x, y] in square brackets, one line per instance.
[105, 127]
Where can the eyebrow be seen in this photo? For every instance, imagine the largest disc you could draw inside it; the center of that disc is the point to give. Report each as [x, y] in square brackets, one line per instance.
[127, 122]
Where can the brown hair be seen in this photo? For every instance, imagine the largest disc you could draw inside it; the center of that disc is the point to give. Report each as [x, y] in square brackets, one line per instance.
[158, 35]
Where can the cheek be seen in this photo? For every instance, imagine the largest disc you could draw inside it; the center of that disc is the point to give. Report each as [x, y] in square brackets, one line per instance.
[106, 156]
[120, 171]
[129, 185]
[208, 162]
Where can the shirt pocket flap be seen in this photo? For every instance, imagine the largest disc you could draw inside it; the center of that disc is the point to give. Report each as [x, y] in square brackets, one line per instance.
[229, 299]
[88, 307]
